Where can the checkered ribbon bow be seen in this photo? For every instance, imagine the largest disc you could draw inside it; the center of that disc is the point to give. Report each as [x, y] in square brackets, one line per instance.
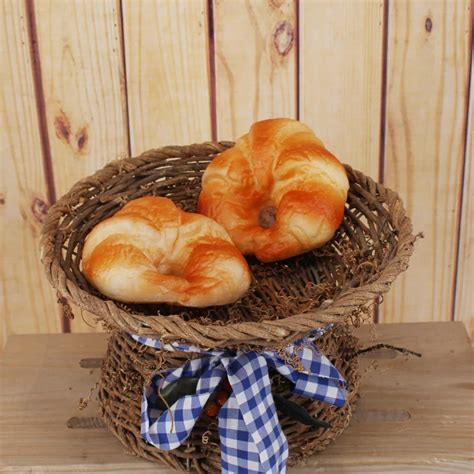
[251, 438]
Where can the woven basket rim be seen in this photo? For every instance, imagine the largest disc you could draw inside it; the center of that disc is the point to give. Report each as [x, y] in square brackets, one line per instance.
[173, 327]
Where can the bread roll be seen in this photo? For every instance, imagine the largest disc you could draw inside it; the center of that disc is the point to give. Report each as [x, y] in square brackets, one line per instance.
[152, 252]
[278, 192]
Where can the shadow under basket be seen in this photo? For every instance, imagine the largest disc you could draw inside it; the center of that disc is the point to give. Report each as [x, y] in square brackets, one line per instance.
[287, 299]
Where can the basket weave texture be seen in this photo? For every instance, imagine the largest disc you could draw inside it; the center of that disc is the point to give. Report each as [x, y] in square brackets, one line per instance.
[128, 365]
[292, 297]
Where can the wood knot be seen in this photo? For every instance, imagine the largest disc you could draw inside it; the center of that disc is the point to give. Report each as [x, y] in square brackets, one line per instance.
[2, 199]
[39, 209]
[267, 217]
[79, 141]
[62, 125]
[91, 363]
[82, 140]
[85, 422]
[283, 37]
[276, 3]
[428, 25]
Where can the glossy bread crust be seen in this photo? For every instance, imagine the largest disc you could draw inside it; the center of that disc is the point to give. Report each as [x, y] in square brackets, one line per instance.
[152, 252]
[280, 164]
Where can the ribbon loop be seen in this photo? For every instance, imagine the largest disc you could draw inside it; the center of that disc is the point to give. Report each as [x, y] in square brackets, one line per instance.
[168, 429]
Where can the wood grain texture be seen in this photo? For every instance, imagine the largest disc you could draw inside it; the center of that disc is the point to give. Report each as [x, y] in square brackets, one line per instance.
[464, 305]
[83, 87]
[182, 73]
[428, 62]
[167, 72]
[83, 77]
[28, 304]
[435, 436]
[341, 55]
[255, 59]
[3, 322]
[3, 319]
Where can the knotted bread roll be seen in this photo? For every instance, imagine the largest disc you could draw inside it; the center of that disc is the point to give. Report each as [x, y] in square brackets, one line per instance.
[151, 252]
[278, 191]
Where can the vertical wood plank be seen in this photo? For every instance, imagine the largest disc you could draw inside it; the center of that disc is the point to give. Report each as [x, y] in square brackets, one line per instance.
[428, 62]
[84, 92]
[3, 322]
[83, 83]
[255, 57]
[341, 77]
[464, 305]
[28, 304]
[167, 72]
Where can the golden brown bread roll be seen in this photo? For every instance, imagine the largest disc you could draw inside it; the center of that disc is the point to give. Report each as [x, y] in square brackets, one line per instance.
[151, 252]
[278, 191]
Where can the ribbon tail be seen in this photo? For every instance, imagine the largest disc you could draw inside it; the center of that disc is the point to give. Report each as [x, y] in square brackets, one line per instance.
[253, 407]
[238, 451]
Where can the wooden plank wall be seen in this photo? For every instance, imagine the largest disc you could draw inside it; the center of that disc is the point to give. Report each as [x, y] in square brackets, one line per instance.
[255, 63]
[427, 91]
[167, 73]
[464, 301]
[28, 303]
[384, 83]
[82, 81]
[341, 69]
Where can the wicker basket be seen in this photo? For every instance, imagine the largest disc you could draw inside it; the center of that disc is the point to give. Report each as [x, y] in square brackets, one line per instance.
[286, 300]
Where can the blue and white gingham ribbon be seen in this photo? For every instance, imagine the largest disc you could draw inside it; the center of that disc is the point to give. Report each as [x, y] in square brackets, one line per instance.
[251, 438]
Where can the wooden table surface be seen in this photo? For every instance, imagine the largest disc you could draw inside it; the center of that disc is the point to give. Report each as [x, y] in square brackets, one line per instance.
[414, 414]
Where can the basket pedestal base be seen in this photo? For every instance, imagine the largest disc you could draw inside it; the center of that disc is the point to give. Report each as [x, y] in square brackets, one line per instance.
[129, 366]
